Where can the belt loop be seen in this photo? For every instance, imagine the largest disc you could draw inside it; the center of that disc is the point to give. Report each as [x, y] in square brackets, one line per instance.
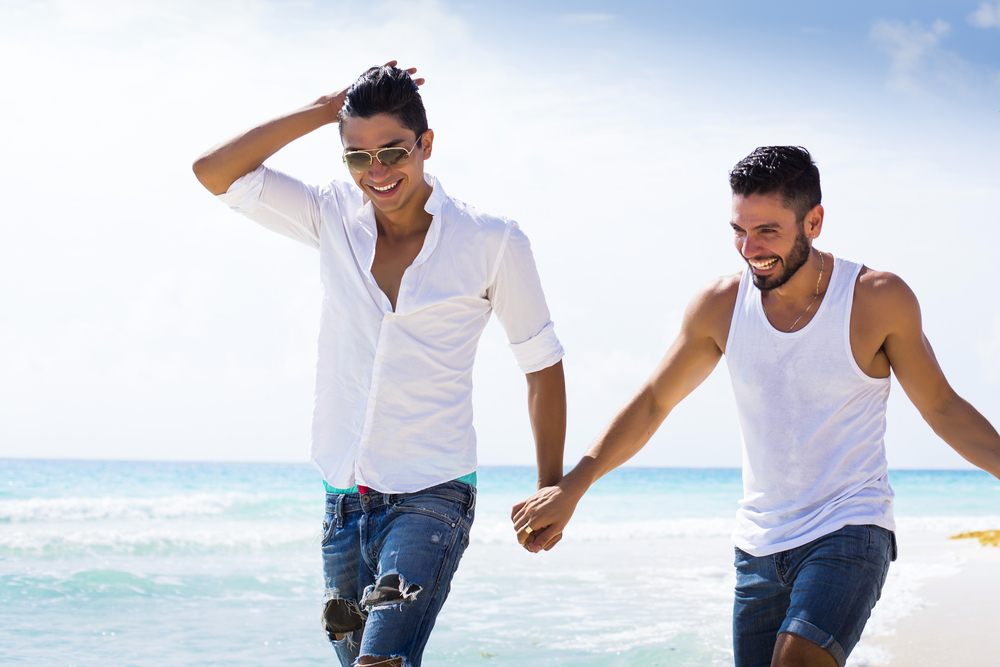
[340, 510]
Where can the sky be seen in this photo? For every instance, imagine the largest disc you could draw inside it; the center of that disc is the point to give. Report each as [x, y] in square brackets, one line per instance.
[141, 319]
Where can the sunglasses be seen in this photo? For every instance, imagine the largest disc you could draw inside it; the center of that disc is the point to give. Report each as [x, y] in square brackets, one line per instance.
[387, 157]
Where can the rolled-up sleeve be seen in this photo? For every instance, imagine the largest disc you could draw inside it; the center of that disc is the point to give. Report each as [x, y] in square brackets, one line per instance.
[517, 298]
[279, 202]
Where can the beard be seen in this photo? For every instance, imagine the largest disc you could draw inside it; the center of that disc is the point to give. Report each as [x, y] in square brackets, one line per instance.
[796, 260]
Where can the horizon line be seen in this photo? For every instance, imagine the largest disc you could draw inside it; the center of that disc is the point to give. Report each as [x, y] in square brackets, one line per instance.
[481, 465]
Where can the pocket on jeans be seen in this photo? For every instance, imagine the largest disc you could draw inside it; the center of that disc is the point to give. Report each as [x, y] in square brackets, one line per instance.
[442, 509]
[883, 541]
[329, 528]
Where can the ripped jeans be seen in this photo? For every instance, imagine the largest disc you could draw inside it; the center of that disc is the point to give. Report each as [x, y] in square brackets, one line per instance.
[388, 561]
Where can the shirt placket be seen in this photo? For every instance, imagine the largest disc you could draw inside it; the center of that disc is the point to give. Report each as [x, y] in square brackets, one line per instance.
[378, 361]
[385, 327]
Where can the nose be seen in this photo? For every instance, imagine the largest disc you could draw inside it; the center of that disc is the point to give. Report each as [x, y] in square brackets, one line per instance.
[747, 246]
[378, 171]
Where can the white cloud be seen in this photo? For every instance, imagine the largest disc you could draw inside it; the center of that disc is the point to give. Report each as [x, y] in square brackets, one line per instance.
[987, 15]
[911, 47]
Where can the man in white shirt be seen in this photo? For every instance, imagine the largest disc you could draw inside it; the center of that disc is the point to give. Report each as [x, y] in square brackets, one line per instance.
[410, 278]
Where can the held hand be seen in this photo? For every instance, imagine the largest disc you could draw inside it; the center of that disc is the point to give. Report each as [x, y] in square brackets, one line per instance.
[335, 102]
[540, 519]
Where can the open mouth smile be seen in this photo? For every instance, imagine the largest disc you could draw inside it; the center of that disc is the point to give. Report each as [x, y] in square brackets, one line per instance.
[387, 188]
[762, 264]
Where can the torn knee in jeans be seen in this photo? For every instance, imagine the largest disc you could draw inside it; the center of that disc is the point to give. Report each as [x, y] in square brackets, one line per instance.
[342, 617]
[390, 589]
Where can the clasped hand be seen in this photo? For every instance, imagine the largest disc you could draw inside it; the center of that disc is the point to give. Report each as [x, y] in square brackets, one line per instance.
[539, 520]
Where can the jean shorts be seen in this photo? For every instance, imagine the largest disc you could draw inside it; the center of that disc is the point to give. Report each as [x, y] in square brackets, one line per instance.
[388, 561]
[823, 591]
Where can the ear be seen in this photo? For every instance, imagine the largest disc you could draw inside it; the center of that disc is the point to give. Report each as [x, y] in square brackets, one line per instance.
[427, 143]
[813, 224]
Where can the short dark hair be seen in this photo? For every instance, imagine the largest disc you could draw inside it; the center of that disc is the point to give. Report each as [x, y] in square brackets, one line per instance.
[786, 170]
[387, 90]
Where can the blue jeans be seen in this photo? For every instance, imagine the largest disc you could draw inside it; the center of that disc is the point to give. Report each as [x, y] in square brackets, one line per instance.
[388, 561]
[823, 591]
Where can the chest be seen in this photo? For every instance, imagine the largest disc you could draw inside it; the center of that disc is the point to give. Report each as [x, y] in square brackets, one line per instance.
[391, 261]
[826, 344]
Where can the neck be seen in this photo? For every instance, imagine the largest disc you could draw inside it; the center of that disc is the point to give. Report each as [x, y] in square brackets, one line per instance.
[409, 219]
[802, 287]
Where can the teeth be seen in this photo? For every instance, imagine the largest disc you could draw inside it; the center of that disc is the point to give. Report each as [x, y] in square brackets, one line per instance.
[759, 265]
[385, 188]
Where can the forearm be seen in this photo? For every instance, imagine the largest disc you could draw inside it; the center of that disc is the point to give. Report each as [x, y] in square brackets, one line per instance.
[969, 433]
[220, 166]
[629, 432]
[547, 412]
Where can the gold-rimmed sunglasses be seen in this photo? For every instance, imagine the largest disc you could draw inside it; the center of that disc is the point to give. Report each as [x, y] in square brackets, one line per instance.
[387, 157]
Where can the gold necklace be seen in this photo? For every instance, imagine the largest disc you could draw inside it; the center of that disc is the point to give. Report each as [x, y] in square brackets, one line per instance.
[822, 264]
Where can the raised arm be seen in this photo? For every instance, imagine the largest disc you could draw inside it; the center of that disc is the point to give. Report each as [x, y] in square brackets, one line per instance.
[952, 418]
[219, 167]
[690, 359]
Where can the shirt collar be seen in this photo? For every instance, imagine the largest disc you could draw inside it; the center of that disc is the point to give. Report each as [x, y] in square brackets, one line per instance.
[365, 215]
[433, 206]
[438, 196]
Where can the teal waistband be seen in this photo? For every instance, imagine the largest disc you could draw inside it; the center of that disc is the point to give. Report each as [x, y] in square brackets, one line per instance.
[469, 479]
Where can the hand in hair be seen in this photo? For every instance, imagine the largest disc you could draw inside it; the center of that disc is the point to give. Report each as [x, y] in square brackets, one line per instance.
[335, 102]
[410, 70]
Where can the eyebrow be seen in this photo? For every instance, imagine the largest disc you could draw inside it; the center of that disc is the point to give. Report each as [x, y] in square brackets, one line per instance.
[391, 144]
[763, 225]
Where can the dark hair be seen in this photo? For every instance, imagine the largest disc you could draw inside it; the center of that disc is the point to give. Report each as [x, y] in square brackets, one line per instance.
[387, 90]
[786, 170]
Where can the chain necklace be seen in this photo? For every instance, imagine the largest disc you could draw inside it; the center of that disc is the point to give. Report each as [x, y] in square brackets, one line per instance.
[822, 264]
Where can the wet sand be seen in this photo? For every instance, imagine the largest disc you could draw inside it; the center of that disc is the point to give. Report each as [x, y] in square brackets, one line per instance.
[957, 619]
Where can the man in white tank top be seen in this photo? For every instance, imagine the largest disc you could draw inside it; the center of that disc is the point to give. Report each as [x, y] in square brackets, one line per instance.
[809, 340]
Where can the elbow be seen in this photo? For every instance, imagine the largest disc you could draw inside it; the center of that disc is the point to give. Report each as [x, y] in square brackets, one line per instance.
[207, 176]
[942, 410]
[655, 407]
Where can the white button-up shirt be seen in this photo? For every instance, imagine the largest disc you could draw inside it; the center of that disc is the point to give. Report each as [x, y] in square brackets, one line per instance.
[393, 406]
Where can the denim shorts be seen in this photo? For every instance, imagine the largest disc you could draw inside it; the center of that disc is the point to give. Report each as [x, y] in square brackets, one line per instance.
[388, 561]
[823, 591]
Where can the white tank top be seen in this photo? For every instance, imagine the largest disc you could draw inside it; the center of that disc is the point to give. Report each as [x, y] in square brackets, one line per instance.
[813, 423]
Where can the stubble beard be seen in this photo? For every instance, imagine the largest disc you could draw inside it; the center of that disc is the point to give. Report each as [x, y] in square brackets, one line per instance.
[796, 259]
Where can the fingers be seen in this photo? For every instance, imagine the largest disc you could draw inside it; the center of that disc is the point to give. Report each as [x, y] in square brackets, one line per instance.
[524, 532]
[554, 541]
[409, 70]
[515, 510]
[541, 539]
[413, 70]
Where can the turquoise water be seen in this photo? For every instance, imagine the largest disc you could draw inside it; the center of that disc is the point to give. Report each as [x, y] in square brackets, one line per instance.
[123, 563]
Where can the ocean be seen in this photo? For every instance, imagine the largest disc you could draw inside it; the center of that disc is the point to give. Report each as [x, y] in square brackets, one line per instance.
[154, 564]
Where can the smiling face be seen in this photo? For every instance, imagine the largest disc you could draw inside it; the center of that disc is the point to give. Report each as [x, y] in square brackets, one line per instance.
[770, 238]
[396, 189]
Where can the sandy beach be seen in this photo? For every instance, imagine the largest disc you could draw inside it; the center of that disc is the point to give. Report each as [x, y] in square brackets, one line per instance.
[948, 616]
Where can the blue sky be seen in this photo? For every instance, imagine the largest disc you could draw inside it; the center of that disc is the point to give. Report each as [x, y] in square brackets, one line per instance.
[141, 319]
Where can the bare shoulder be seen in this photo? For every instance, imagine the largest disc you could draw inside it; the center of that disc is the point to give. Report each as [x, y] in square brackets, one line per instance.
[711, 310]
[885, 295]
[720, 293]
